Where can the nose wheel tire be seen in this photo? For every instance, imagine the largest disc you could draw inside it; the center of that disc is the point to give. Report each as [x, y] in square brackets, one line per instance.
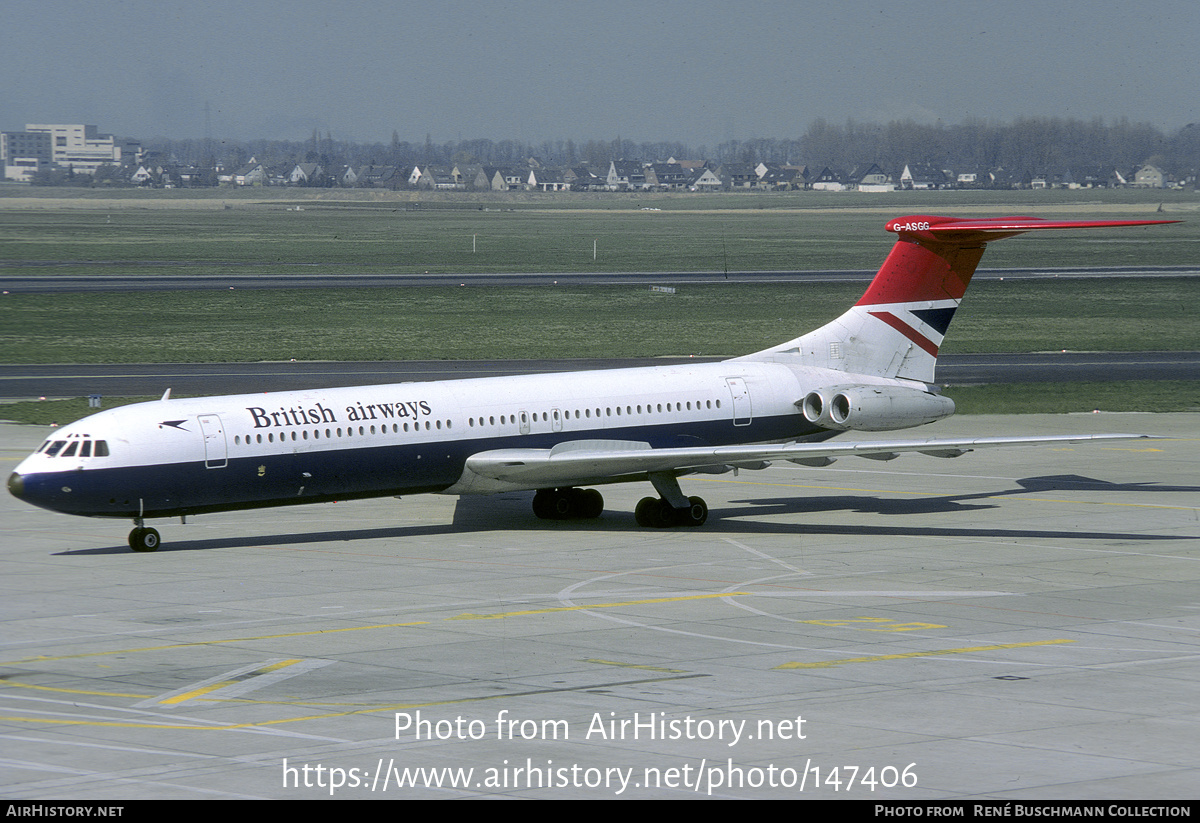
[143, 539]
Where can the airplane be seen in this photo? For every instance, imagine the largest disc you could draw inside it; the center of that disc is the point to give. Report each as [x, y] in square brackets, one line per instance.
[870, 370]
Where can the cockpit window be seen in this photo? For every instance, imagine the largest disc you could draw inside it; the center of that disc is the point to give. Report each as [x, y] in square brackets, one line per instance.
[85, 448]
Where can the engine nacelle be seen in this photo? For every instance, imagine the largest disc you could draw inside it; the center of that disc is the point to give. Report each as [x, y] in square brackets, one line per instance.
[873, 408]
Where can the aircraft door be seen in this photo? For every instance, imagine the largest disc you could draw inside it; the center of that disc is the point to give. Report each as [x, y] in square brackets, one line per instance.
[556, 420]
[743, 411]
[523, 417]
[216, 452]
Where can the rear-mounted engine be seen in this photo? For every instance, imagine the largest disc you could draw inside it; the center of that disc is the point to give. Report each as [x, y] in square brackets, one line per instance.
[873, 408]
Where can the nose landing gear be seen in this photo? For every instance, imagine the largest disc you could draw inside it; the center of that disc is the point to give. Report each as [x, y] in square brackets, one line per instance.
[143, 539]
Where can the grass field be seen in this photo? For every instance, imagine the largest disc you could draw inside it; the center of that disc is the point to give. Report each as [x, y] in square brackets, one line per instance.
[343, 232]
[1117, 314]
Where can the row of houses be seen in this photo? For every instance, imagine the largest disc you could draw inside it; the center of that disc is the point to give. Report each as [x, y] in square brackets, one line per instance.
[633, 176]
[81, 149]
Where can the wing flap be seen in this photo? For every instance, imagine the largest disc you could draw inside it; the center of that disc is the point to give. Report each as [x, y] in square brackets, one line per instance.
[580, 462]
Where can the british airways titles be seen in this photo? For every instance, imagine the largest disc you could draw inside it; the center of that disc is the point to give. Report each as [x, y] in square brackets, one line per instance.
[300, 416]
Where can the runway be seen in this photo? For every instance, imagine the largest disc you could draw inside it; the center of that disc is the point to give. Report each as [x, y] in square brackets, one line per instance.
[1012, 624]
[187, 280]
[151, 379]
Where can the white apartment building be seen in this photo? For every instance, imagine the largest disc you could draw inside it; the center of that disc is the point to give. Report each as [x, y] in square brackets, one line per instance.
[78, 147]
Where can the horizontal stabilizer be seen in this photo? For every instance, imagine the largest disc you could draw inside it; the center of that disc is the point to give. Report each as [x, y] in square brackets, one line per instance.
[967, 232]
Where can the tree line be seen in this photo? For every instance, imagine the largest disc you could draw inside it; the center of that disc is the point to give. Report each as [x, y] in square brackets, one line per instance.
[1034, 144]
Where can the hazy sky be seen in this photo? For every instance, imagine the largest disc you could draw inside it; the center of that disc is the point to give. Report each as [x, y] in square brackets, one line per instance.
[701, 71]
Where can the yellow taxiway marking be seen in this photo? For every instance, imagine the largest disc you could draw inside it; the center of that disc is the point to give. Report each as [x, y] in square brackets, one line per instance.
[46, 658]
[906, 655]
[468, 616]
[212, 687]
[63, 690]
[552, 609]
[347, 713]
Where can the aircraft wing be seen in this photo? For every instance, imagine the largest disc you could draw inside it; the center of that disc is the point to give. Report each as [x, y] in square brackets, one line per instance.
[594, 461]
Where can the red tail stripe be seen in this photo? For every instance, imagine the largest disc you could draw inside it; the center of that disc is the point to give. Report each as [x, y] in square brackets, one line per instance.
[908, 331]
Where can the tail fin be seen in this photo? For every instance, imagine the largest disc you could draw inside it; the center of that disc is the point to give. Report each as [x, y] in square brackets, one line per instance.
[897, 327]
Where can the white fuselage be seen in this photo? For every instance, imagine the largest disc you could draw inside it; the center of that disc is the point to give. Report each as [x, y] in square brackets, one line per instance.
[183, 456]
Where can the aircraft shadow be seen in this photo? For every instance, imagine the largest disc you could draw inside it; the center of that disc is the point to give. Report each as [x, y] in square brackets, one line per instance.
[511, 512]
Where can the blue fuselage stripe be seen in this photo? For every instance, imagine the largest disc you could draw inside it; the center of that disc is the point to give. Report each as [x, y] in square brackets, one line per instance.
[316, 475]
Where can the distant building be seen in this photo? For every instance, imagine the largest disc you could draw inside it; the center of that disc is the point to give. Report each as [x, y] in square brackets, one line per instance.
[25, 153]
[78, 147]
[1149, 177]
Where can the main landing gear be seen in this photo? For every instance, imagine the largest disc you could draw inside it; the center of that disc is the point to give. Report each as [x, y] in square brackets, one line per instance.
[143, 539]
[658, 513]
[672, 508]
[568, 504]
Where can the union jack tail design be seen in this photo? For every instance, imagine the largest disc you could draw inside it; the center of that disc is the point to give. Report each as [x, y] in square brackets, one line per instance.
[897, 328]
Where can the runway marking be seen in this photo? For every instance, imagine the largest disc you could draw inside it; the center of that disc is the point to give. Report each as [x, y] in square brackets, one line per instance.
[261, 725]
[63, 690]
[913, 594]
[764, 556]
[881, 624]
[237, 682]
[906, 655]
[494, 616]
[552, 609]
[46, 658]
[634, 666]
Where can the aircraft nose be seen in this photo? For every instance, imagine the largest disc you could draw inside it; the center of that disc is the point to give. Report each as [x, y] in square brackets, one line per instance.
[16, 485]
